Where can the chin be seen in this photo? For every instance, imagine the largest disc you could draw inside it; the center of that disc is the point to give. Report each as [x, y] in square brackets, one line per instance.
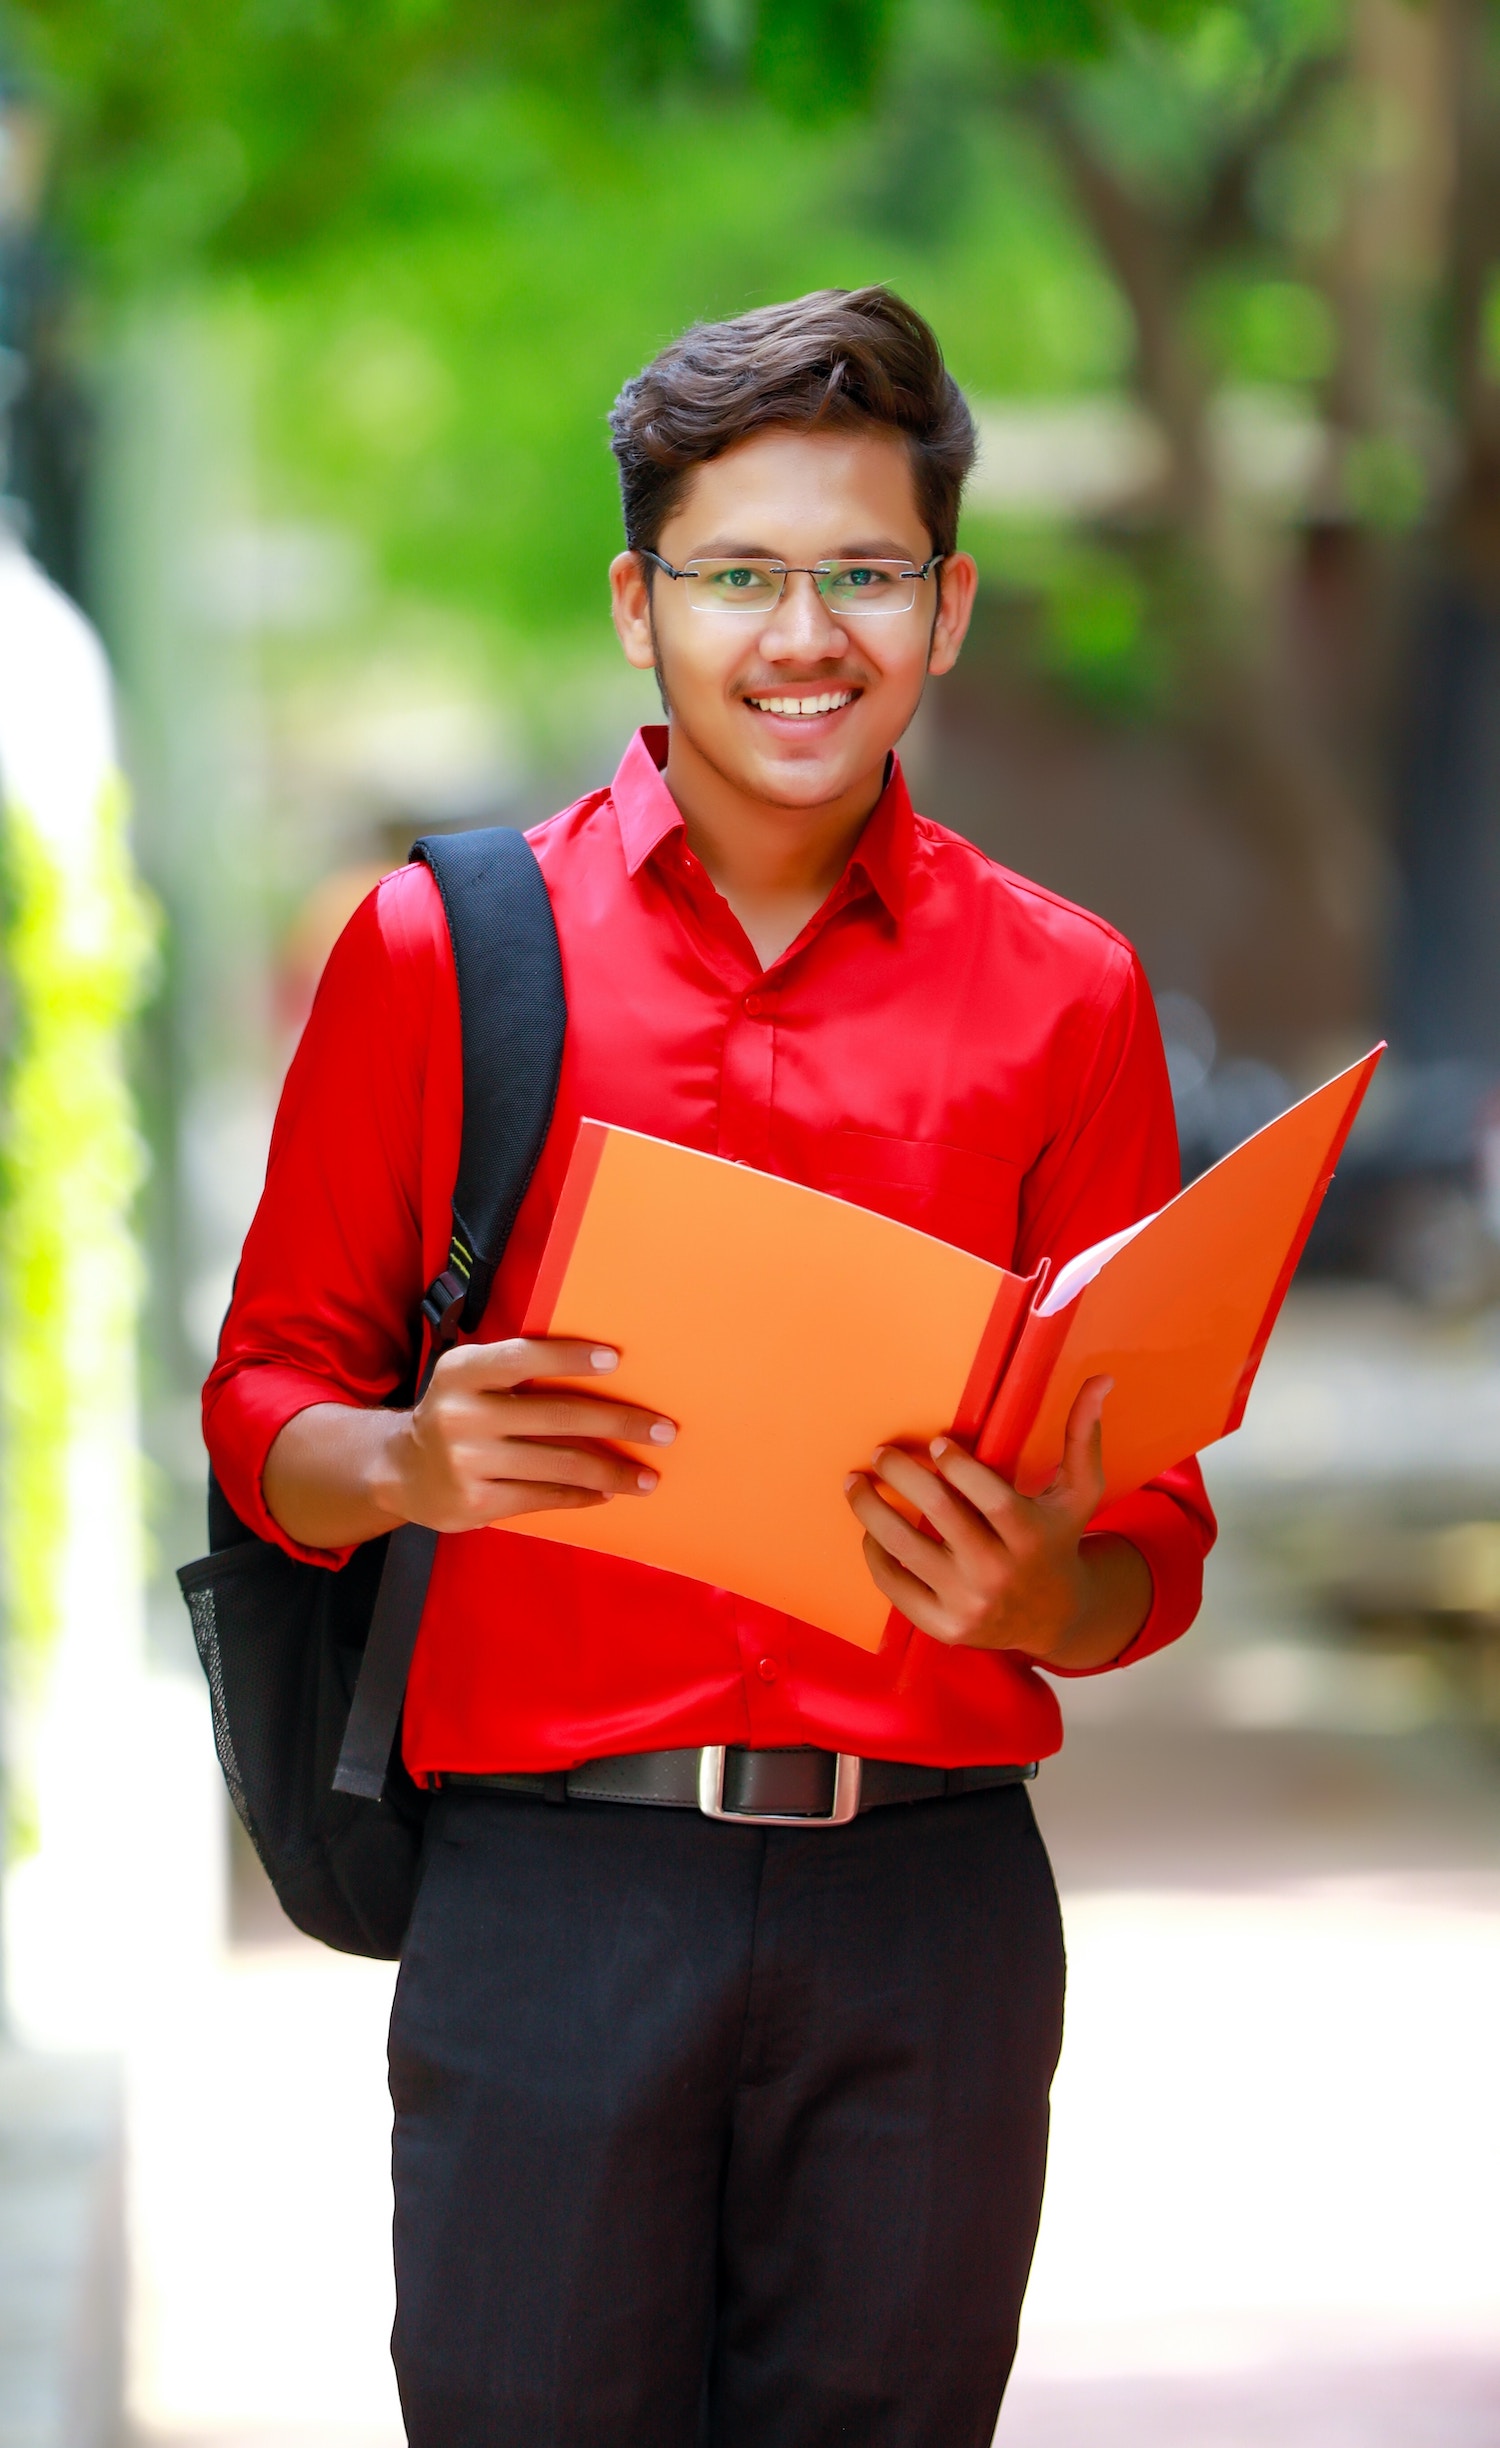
[820, 769]
[793, 783]
[782, 772]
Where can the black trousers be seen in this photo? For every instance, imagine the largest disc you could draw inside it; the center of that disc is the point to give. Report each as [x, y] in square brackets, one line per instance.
[720, 2137]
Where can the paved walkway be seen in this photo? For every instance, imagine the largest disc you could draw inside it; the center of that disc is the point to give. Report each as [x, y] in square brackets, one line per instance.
[1272, 2204]
[1273, 2214]
[260, 2204]
[62, 2272]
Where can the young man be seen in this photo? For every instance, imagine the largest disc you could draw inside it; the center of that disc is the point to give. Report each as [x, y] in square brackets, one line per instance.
[711, 2132]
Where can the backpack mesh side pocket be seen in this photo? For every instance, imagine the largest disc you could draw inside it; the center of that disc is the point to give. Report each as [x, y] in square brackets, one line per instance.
[279, 1641]
[203, 1614]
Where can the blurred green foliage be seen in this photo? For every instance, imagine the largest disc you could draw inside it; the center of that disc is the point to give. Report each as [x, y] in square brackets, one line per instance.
[445, 390]
[241, 128]
[1268, 331]
[443, 231]
[1090, 615]
[79, 943]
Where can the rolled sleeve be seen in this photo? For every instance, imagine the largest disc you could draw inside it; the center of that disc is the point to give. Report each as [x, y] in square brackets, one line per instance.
[330, 1282]
[249, 1409]
[1171, 1525]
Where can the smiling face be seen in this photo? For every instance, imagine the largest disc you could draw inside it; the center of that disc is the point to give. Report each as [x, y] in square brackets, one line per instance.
[797, 706]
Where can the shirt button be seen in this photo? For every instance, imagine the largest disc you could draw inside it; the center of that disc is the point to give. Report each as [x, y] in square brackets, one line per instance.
[768, 1670]
[754, 1006]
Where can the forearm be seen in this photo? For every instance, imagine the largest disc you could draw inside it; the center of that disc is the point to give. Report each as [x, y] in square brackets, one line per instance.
[1115, 1601]
[332, 1479]
[485, 1443]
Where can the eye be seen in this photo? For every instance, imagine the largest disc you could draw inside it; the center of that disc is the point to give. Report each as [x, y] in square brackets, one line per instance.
[861, 578]
[858, 586]
[736, 578]
[740, 583]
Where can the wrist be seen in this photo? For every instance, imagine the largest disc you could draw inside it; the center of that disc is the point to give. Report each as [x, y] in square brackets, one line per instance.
[1069, 1619]
[1114, 1587]
[389, 1476]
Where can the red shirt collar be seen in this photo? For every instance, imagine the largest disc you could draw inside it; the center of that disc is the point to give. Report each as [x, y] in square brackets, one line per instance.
[647, 813]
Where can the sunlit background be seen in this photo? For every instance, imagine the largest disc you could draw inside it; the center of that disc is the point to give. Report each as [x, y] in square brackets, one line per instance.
[310, 314]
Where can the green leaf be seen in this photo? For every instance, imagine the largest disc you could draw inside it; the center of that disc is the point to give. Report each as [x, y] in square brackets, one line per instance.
[1048, 33]
[818, 59]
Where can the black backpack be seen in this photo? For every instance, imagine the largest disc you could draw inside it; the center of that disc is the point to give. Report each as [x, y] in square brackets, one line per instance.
[307, 1668]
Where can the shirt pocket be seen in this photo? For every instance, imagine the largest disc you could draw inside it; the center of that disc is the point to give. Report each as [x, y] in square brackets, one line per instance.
[954, 1193]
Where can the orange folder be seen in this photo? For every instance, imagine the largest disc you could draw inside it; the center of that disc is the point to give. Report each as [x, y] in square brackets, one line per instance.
[789, 1333]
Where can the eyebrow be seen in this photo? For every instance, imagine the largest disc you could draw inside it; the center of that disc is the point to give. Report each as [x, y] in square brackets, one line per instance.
[883, 548]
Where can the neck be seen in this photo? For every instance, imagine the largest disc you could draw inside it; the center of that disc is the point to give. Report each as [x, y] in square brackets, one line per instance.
[774, 865]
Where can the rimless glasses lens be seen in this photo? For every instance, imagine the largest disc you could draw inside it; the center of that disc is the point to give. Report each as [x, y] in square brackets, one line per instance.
[852, 586]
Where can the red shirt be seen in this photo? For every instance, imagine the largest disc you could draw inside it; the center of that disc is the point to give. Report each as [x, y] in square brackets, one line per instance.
[944, 1042]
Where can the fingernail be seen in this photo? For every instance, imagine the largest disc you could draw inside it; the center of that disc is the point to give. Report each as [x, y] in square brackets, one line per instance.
[661, 1432]
[849, 1482]
[938, 1448]
[646, 1479]
[604, 1359]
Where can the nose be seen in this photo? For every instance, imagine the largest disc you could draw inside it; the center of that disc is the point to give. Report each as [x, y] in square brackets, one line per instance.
[802, 625]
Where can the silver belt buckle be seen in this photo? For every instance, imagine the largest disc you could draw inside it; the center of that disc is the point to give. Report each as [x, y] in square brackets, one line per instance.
[846, 1776]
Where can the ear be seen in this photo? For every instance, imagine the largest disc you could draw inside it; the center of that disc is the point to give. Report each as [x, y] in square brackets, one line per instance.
[630, 604]
[959, 580]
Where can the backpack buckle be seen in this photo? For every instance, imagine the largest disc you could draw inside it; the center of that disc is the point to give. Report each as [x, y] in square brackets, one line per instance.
[442, 1306]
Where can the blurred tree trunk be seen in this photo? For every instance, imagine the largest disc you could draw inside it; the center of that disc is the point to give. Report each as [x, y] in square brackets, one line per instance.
[1445, 991]
[1274, 775]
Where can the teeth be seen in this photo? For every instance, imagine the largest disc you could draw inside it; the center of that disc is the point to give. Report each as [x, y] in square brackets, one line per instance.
[828, 703]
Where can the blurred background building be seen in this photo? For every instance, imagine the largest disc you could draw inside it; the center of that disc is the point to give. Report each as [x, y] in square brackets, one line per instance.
[309, 321]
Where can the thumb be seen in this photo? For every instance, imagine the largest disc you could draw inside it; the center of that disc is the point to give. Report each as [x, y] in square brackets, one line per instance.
[1078, 1481]
[493, 1368]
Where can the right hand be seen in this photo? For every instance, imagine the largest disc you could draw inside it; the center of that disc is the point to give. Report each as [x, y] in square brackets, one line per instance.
[486, 1443]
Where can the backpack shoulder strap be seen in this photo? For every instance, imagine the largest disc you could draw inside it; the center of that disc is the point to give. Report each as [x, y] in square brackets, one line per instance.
[512, 1017]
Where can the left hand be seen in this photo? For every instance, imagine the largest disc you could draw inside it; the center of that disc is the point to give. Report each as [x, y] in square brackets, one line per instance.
[1001, 1570]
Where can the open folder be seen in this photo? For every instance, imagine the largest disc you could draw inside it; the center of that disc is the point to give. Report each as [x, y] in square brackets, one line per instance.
[789, 1334]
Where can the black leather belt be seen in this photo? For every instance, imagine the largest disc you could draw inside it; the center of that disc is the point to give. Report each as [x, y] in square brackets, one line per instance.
[786, 1788]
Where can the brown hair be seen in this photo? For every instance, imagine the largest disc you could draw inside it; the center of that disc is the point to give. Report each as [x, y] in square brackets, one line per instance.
[838, 358]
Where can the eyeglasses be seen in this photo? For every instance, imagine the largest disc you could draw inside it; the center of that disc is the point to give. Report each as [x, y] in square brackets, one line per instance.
[862, 587]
